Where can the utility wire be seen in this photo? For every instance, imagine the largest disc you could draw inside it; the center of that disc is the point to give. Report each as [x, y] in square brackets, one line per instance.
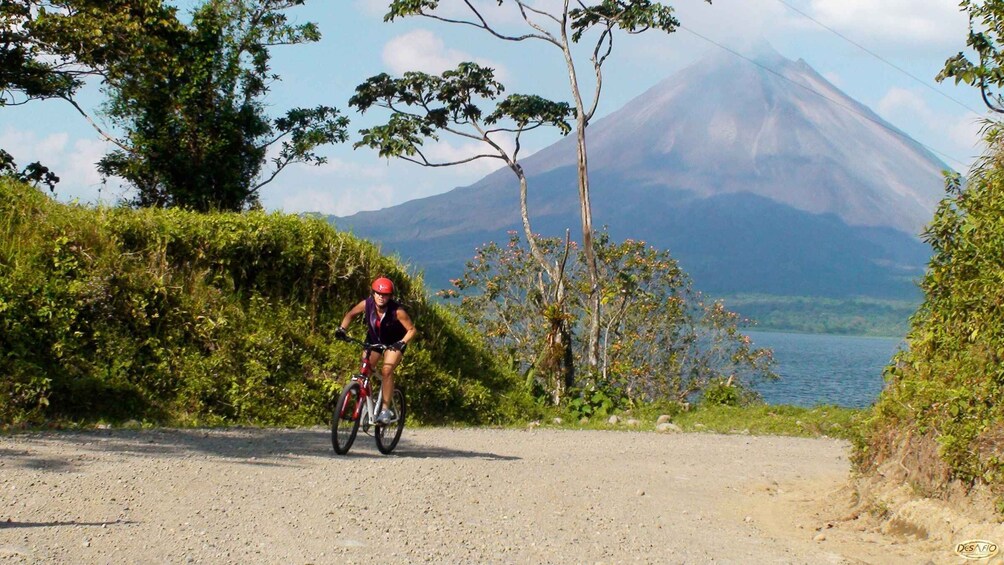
[871, 118]
[876, 55]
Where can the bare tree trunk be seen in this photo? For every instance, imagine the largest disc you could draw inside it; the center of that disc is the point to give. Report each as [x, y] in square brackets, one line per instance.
[556, 360]
[585, 209]
[582, 117]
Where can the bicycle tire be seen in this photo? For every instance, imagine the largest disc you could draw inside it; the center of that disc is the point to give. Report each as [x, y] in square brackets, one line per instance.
[387, 435]
[345, 419]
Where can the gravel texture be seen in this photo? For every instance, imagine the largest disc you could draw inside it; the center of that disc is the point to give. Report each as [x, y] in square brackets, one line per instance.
[444, 496]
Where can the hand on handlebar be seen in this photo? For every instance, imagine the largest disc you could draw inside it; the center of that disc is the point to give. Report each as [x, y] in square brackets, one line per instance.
[341, 334]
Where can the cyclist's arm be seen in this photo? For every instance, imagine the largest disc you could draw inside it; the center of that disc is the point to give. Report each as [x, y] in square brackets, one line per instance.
[355, 311]
[409, 327]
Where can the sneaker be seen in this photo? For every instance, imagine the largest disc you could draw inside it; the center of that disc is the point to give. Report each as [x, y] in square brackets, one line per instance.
[386, 416]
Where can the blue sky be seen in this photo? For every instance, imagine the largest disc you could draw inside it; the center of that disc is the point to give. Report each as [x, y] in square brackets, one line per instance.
[908, 41]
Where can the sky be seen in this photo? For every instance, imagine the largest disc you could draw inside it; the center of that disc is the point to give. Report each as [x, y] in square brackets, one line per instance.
[885, 54]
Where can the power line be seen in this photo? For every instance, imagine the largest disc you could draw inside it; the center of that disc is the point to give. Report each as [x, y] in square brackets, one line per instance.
[876, 55]
[852, 109]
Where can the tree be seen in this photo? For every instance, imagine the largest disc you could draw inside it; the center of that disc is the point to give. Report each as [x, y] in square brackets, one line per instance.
[561, 28]
[424, 106]
[189, 98]
[986, 36]
[661, 340]
[27, 73]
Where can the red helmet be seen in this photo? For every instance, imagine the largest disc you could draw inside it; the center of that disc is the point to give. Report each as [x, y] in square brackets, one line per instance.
[383, 285]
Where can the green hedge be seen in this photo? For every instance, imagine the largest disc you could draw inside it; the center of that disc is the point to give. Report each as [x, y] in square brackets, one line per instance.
[181, 318]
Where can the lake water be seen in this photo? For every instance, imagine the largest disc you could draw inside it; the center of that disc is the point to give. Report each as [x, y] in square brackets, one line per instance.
[826, 369]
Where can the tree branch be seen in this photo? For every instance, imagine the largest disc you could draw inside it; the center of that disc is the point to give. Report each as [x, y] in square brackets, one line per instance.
[544, 34]
[598, 68]
[97, 128]
[480, 24]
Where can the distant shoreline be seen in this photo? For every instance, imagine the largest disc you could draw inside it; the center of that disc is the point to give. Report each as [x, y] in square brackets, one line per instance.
[855, 316]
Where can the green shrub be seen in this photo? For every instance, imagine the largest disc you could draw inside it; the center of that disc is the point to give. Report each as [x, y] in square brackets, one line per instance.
[721, 393]
[593, 401]
[182, 318]
[941, 419]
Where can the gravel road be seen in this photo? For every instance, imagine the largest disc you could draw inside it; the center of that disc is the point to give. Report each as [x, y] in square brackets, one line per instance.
[444, 496]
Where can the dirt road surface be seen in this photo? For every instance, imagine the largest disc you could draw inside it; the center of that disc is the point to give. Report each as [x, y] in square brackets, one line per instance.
[444, 496]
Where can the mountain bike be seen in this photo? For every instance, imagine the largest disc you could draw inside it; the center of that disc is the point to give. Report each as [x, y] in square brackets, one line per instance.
[356, 407]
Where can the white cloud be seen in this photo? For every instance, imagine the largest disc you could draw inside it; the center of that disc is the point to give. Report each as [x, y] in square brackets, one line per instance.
[423, 50]
[956, 136]
[924, 24]
[338, 201]
[902, 100]
[73, 160]
[341, 187]
[834, 79]
[741, 22]
[373, 8]
[964, 133]
[344, 168]
[82, 161]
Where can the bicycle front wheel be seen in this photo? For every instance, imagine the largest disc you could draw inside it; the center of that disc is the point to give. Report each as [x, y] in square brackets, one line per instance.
[387, 435]
[345, 419]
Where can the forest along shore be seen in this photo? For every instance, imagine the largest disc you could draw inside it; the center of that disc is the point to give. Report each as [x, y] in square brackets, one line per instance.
[449, 495]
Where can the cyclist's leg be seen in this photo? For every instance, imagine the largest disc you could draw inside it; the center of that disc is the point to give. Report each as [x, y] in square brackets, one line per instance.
[391, 359]
[374, 357]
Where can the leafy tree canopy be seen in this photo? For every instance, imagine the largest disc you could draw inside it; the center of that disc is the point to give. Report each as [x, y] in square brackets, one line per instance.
[189, 98]
[27, 70]
[986, 36]
[423, 106]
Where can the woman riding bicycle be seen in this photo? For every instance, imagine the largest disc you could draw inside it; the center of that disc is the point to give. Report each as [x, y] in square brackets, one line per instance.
[387, 323]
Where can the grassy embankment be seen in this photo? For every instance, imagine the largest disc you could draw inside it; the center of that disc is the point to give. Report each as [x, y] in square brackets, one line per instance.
[175, 318]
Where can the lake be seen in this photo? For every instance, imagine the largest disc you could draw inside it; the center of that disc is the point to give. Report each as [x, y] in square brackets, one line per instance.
[826, 369]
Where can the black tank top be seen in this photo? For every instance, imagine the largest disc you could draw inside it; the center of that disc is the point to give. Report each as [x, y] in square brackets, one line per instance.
[387, 331]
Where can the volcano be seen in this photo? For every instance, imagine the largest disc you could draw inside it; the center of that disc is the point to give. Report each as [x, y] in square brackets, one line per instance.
[757, 174]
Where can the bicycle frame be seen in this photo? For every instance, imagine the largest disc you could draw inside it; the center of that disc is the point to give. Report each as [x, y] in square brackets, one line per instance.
[368, 408]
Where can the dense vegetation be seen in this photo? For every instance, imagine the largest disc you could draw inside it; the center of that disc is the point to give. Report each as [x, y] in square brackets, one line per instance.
[175, 317]
[941, 421]
[662, 341]
[843, 316]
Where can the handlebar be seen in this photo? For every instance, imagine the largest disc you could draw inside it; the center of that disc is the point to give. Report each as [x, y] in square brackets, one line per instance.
[379, 347]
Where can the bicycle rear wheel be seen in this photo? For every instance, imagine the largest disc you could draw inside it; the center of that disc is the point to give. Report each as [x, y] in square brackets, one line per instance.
[387, 435]
[345, 419]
